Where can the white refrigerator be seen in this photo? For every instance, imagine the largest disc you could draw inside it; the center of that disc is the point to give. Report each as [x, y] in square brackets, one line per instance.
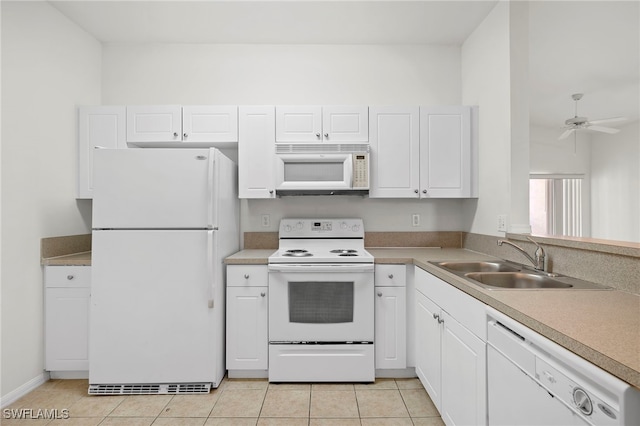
[163, 221]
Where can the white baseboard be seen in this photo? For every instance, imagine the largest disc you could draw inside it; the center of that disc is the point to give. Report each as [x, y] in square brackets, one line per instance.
[21, 391]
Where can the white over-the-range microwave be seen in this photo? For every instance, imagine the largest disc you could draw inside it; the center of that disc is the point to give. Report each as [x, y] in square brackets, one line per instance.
[331, 169]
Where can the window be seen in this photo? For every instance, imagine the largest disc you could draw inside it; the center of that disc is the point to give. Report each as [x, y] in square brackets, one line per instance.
[556, 205]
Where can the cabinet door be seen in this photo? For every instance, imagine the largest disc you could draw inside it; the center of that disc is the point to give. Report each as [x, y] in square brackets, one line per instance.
[428, 346]
[67, 329]
[210, 123]
[256, 152]
[299, 124]
[391, 326]
[247, 339]
[154, 123]
[345, 124]
[463, 375]
[445, 152]
[395, 146]
[98, 127]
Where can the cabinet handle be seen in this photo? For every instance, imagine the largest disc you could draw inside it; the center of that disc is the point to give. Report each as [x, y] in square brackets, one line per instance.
[175, 134]
[318, 135]
[271, 191]
[440, 320]
[424, 191]
[246, 276]
[390, 276]
[326, 135]
[185, 135]
[379, 294]
[263, 294]
[70, 277]
[416, 191]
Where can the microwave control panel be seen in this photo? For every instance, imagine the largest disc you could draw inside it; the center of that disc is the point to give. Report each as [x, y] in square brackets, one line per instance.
[360, 171]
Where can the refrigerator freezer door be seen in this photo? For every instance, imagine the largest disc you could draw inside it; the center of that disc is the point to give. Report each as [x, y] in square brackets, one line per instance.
[151, 317]
[155, 188]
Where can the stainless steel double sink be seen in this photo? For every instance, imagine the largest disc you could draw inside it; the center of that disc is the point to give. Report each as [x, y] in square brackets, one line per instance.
[505, 275]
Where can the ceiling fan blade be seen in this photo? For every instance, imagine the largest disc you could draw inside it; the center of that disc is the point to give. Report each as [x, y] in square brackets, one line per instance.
[608, 120]
[603, 129]
[566, 134]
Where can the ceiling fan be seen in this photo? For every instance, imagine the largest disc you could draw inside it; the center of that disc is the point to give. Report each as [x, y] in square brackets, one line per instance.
[578, 123]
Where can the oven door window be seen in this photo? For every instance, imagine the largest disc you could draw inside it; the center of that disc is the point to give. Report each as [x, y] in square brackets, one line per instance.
[321, 302]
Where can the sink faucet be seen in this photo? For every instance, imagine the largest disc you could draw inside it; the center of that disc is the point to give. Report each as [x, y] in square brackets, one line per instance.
[539, 261]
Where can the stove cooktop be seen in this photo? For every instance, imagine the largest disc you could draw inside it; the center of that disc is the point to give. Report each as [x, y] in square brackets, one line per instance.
[321, 241]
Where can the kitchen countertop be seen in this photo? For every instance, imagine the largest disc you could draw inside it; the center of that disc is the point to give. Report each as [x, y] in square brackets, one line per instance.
[601, 326]
[75, 259]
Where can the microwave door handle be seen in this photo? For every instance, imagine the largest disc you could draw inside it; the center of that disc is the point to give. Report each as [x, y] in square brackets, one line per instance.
[349, 170]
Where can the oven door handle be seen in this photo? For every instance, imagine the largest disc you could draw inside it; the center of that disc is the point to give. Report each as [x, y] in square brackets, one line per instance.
[326, 267]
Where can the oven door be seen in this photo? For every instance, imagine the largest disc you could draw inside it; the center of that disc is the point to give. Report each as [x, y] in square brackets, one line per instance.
[321, 303]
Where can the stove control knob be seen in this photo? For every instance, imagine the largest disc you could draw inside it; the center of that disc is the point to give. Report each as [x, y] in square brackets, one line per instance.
[287, 228]
[343, 225]
[299, 225]
[355, 228]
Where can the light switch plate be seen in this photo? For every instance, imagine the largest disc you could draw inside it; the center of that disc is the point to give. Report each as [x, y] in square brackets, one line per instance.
[415, 220]
[502, 222]
[266, 220]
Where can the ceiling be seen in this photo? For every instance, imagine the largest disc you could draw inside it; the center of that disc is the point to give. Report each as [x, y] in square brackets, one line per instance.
[267, 21]
[589, 47]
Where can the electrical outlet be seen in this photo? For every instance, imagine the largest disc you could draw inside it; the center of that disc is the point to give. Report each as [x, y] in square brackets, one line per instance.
[266, 221]
[415, 220]
[502, 222]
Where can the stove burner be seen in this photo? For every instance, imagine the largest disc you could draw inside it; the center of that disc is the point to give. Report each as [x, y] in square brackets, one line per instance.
[297, 253]
[342, 252]
[348, 254]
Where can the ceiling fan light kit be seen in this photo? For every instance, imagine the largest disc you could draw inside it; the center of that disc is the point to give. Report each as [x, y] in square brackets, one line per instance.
[579, 123]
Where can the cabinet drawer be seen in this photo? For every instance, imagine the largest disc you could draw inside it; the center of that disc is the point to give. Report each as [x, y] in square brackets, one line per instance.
[247, 275]
[67, 276]
[390, 276]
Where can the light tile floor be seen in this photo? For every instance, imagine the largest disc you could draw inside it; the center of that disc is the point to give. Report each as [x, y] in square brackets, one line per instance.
[386, 402]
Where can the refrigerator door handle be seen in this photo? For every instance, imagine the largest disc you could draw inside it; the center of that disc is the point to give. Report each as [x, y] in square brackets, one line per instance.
[210, 270]
[211, 189]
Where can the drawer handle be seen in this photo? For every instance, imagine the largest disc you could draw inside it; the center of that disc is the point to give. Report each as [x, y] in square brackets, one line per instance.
[263, 294]
[390, 276]
[246, 276]
[70, 277]
[379, 294]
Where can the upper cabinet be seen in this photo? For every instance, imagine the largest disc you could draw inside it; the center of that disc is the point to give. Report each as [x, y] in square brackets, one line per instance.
[179, 126]
[316, 124]
[426, 152]
[395, 152]
[445, 152]
[256, 152]
[98, 127]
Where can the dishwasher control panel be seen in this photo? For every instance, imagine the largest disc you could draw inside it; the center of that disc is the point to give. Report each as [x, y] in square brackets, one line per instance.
[574, 396]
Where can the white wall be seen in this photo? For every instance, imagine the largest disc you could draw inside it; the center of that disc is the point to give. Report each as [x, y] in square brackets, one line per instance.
[49, 66]
[615, 185]
[297, 74]
[550, 155]
[486, 82]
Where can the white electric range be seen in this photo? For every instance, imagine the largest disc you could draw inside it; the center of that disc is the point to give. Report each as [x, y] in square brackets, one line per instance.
[321, 303]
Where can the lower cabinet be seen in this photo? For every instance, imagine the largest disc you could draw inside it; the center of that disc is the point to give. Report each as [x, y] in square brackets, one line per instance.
[390, 317]
[451, 350]
[66, 299]
[247, 320]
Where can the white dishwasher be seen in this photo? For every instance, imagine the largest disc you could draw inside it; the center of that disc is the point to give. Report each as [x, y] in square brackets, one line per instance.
[533, 381]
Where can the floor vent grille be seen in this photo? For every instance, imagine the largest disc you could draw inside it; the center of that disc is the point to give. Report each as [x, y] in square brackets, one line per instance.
[151, 389]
